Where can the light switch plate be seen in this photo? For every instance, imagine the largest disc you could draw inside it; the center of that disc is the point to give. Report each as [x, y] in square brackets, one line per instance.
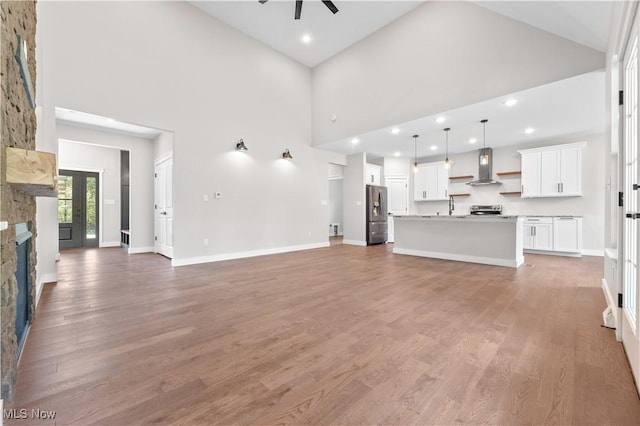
[4, 225]
[109, 202]
[205, 197]
[324, 203]
[218, 194]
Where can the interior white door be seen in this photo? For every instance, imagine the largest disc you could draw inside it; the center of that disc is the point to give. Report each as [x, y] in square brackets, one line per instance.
[629, 324]
[163, 211]
[397, 201]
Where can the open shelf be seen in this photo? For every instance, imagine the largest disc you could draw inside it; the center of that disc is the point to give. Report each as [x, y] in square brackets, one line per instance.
[512, 173]
[460, 177]
[460, 195]
[511, 193]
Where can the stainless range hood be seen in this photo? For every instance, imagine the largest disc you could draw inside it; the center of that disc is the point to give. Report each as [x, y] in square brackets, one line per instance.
[484, 170]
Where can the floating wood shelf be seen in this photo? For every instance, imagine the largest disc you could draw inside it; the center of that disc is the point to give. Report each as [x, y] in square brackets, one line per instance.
[511, 193]
[513, 173]
[33, 172]
[460, 177]
[459, 195]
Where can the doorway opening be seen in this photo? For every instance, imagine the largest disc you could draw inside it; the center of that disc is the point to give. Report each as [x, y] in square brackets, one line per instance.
[78, 209]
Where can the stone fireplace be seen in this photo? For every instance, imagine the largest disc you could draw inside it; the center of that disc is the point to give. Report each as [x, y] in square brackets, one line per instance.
[17, 129]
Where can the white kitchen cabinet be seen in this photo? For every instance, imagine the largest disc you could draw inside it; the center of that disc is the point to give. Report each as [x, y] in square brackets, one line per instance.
[431, 182]
[373, 172]
[552, 171]
[567, 234]
[538, 233]
[530, 174]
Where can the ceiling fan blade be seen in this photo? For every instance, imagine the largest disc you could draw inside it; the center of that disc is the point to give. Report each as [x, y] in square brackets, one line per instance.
[298, 8]
[332, 7]
[262, 1]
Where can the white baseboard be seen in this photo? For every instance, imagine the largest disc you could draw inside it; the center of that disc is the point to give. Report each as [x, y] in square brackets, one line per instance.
[612, 302]
[553, 253]
[136, 250]
[46, 278]
[110, 244]
[244, 254]
[462, 258]
[593, 252]
[355, 243]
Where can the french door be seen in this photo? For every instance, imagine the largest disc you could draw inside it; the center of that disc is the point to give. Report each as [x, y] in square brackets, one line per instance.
[78, 209]
[630, 326]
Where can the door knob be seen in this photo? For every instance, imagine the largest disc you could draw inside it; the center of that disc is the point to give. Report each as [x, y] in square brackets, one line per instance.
[163, 213]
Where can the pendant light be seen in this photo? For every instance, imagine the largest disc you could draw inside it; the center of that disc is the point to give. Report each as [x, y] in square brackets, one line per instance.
[240, 146]
[415, 153]
[447, 162]
[484, 158]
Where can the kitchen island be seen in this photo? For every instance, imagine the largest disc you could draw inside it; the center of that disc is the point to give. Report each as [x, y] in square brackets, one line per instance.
[492, 240]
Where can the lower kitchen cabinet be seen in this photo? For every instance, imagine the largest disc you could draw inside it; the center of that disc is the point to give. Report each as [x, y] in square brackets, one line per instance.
[538, 233]
[561, 234]
[567, 235]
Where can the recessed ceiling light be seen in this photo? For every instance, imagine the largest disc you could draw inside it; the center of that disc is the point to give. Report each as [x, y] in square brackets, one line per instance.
[434, 147]
[473, 140]
[396, 154]
[440, 120]
[306, 39]
[510, 102]
[395, 130]
[528, 131]
[355, 141]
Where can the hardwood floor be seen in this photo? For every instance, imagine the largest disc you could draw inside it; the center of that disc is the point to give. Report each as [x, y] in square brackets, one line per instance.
[339, 335]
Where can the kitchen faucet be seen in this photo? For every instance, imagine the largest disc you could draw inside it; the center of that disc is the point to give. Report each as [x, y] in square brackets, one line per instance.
[451, 205]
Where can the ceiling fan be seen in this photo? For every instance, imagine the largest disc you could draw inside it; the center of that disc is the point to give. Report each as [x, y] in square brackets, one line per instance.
[332, 7]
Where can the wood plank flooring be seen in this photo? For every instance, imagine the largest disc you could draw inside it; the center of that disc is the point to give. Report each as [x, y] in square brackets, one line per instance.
[339, 335]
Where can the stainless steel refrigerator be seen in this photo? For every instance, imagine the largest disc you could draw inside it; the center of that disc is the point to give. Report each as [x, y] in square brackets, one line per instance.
[376, 214]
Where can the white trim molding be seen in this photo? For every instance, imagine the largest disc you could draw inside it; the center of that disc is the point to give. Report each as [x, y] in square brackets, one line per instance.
[110, 244]
[588, 252]
[462, 257]
[355, 243]
[245, 254]
[137, 250]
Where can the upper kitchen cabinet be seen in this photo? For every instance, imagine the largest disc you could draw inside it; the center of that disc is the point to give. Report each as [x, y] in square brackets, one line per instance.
[372, 173]
[431, 182]
[552, 171]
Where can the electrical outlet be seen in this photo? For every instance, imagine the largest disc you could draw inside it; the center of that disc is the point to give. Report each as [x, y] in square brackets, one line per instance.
[309, 233]
[205, 241]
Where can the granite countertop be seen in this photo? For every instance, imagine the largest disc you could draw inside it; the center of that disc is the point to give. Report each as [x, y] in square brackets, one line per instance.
[459, 216]
[481, 216]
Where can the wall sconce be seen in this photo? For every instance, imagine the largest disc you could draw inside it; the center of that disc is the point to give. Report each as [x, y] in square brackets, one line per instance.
[287, 155]
[240, 146]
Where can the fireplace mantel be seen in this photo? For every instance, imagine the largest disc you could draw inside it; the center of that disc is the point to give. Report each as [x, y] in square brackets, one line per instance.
[33, 172]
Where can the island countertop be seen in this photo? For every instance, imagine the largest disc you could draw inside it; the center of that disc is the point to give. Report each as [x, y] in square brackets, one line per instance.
[488, 239]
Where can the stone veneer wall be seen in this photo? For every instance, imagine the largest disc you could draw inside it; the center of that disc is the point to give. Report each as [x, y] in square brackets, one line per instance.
[18, 129]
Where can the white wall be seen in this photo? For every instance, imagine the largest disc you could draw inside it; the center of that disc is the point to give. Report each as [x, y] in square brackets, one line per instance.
[46, 207]
[81, 156]
[354, 200]
[167, 65]
[442, 55]
[396, 167]
[163, 145]
[590, 205]
[140, 178]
